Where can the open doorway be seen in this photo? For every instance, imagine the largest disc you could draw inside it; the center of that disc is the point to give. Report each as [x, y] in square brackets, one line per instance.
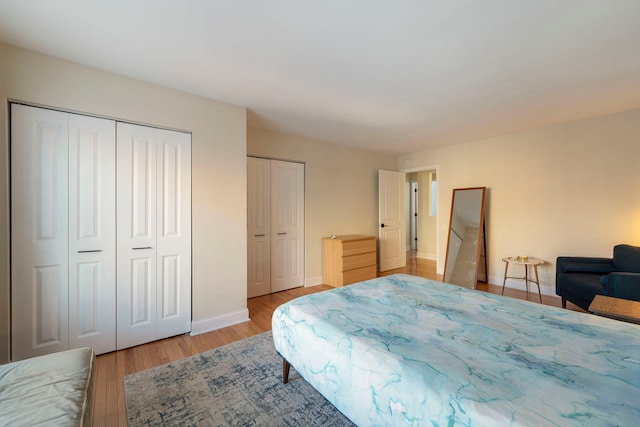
[422, 220]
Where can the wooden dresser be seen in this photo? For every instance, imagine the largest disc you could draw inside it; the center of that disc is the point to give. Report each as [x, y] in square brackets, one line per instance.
[348, 259]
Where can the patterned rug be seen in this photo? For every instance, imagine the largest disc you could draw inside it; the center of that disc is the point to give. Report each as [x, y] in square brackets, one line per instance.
[239, 384]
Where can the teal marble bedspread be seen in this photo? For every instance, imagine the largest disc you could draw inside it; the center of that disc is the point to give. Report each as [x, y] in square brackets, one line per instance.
[407, 351]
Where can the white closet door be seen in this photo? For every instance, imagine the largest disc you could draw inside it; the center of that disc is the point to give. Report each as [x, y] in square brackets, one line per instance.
[174, 233]
[287, 225]
[92, 233]
[136, 256]
[259, 230]
[39, 231]
[154, 234]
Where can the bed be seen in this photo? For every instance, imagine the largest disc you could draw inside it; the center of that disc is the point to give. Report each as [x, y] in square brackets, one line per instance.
[407, 351]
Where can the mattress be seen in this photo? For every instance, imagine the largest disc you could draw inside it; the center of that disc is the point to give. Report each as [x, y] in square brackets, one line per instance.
[48, 390]
[407, 351]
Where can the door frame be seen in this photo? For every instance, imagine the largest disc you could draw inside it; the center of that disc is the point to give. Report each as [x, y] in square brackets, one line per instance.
[421, 212]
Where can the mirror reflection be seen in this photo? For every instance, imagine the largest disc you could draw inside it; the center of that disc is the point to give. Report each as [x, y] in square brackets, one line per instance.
[466, 243]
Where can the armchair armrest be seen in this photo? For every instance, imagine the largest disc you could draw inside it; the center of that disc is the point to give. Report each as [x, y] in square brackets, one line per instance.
[584, 265]
[622, 285]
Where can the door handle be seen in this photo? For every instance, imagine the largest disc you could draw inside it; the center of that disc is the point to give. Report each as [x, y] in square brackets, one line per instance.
[382, 225]
[92, 250]
[144, 247]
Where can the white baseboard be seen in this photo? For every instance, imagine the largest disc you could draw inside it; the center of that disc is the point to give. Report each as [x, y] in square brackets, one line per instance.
[313, 281]
[424, 255]
[545, 289]
[219, 322]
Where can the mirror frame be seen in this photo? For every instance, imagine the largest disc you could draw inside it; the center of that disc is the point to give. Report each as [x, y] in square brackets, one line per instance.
[481, 249]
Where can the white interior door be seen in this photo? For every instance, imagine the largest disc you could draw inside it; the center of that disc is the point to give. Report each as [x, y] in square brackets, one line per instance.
[259, 227]
[39, 231]
[174, 233]
[391, 211]
[92, 233]
[137, 244]
[287, 225]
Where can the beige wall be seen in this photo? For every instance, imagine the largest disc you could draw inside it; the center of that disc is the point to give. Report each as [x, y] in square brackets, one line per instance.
[341, 188]
[571, 189]
[427, 236]
[219, 165]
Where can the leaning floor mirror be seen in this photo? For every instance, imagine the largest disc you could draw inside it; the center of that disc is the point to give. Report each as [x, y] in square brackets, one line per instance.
[466, 260]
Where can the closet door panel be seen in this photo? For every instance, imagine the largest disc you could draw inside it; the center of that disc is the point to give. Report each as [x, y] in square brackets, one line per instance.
[295, 227]
[136, 235]
[259, 227]
[174, 233]
[142, 190]
[287, 225]
[142, 286]
[92, 233]
[39, 227]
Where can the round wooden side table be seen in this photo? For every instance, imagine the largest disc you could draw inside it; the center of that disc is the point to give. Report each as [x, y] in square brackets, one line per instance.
[527, 262]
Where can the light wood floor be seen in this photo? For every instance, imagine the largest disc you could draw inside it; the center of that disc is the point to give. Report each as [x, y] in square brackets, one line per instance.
[108, 393]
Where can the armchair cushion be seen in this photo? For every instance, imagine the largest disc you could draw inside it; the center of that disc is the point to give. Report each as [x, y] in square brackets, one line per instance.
[623, 285]
[626, 258]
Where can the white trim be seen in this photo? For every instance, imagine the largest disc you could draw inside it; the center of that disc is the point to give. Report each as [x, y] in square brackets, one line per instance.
[219, 322]
[519, 284]
[313, 281]
[425, 255]
[419, 169]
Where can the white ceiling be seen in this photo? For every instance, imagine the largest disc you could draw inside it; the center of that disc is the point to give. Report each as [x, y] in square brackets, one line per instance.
[395, 76]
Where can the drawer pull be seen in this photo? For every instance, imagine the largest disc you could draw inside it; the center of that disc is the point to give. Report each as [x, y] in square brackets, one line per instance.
[144, 247]
[281, 234]
[258, 235]
[92, 250]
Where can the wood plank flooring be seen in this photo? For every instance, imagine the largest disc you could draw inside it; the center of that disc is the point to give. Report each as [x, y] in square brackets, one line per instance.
[108, 392]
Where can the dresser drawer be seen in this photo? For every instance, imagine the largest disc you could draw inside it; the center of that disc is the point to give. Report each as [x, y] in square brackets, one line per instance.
[358, 261]
[358, 275]
[352, 247]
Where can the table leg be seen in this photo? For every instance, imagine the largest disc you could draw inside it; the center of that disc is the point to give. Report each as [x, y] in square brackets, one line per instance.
[535, 268]
[506, 267]
[526, 278]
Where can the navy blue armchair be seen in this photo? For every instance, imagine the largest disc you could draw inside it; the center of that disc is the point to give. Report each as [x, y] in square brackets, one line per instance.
[580, 279]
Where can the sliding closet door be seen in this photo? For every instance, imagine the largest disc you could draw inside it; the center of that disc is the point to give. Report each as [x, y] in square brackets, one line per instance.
[287, 225]
[92, 233]
[154, 234]
[39, 231]
[259, 230]
[174, 233]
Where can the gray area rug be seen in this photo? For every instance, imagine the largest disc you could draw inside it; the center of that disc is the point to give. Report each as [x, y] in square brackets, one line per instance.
[239, 384]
